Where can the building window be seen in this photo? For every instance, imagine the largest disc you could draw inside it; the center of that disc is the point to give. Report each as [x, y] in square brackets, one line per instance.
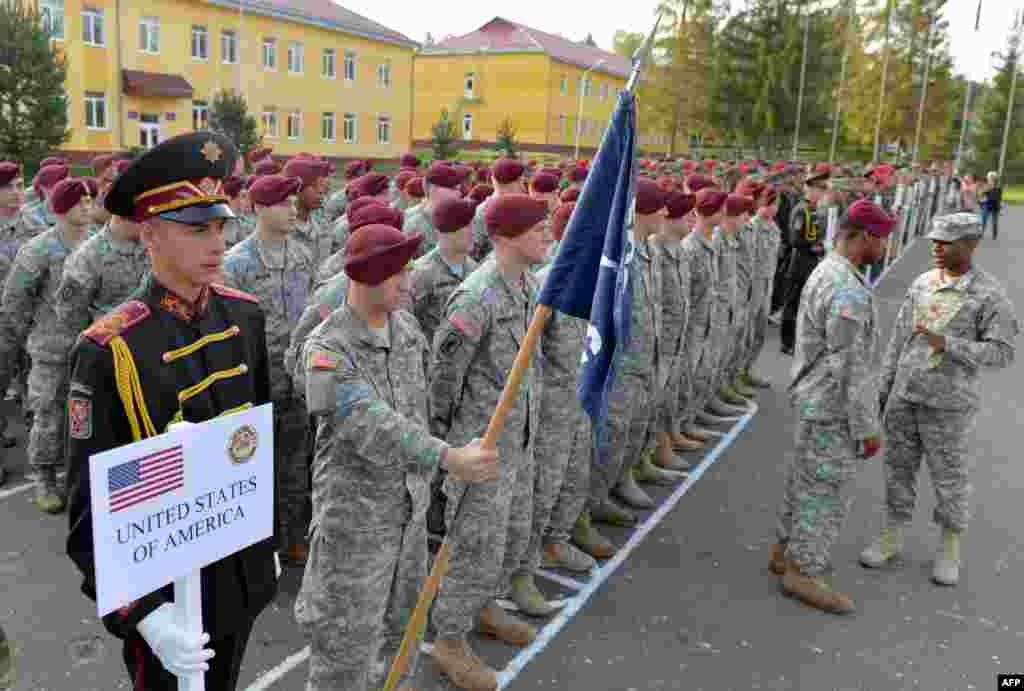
[384, 73]
[467, 126]
[270, 53]
[149, 130]
[149, 34]
[229, 47]
[92, 27]
[604, 92]
[348, 128]
[296, 61]
[327, 127]
[270, 122]
[383, 129]
[295, 125]
[52, 14]
[562, 126]
[350, 65]
[470, 85]
[563, 86]
[95, 111]
[200, 43]
[329, 67]
[200, 115]
[587, 83]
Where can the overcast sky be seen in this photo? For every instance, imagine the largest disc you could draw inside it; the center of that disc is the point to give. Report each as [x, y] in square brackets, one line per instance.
[575, 19]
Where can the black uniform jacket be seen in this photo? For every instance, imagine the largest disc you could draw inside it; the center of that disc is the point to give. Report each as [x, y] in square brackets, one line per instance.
[183, 376]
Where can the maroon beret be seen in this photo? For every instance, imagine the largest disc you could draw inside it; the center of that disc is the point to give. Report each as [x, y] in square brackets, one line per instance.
[710, 201]
[560, 219]
[512, 215]
[403, 177]
[483, 175]
[92, 186]
[578, 174]
[274, 189]
[267, 166]
[353, 169]
[679, 204]
[53, 161]
[414, 188]
[361, 203]
[379, 214]
[101, 162]
[306, 169]
[569, 194]
[750, 188]
[465, 172]
[375, 253]
[506, 170]
[409, 161]
[8, 172]
[544, 183]
[120, 165]
[66, 194]
[650, 198]
[371, 184]
[736, 204]
[768, 195]
[480, 192]
[450, 215]
[252, 180]
[867, 216]
[259, 154]
[557, 172]
[698, 182]
[443, 175]
[48, 176]
[233, 185]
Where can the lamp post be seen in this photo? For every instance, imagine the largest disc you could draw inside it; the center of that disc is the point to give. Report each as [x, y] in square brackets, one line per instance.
[579, 111]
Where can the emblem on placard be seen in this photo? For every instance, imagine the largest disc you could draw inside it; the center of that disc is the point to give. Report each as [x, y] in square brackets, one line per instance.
[242, 446]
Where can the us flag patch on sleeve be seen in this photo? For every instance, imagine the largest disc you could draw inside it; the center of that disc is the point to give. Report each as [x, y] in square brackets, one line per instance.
[79, 417]
[322, 359]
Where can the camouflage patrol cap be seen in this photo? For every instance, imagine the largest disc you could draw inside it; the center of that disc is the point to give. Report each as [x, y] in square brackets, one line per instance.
[962, 225]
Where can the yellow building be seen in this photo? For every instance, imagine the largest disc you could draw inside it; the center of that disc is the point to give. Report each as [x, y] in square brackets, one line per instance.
[318, 77]
[553, 90]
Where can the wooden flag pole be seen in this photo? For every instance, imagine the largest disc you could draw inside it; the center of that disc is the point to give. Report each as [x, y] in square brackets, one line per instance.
[418, 621]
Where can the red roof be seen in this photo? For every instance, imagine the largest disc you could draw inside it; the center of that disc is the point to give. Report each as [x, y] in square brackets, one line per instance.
[139, 83]
[501, 35]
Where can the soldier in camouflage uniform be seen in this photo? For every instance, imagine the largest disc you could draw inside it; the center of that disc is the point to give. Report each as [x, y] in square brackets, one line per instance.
[441, 182]
[955, 321]
[37, 217]
[361, 212]
[12, 199]
[311, 232]
[489, 523]
[30, 323]
[745, 240]
[241, 226]
[506, 178]
[403, 200]
[369, 187]
[279, 270]
[366, 387]
[336, 205]
[767, 238]
[836, 397]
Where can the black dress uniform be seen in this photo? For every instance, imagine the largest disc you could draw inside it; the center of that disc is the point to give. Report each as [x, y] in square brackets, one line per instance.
[159, 359]
[807, 241]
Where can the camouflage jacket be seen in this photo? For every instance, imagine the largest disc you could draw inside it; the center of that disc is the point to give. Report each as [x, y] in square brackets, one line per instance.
[325, 299]
[700, 257]
[676, 295]
[724, 306]
[745, 249]
[317, 237]
[8, 243]
[236, 230]
[35, 218]
[482, 243]
[335, 206]
[433, 282]
[644, 356]
[418, 220]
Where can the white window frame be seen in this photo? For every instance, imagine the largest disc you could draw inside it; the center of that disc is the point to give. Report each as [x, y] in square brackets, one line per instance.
[92, 27]
[328, 126]
[269, 53]
[294, 131]
[350, 66]
[467, 126]
[149, 35]
[383, 128]
[563, 86]
[52, 14]
[203, 33]
[296, 58]
[384, 74]
[270, 123]
[588, 84]
[329, 60]
[469, 85]
[229, 39]
[350, 121]
[98, 117]
[200, 112]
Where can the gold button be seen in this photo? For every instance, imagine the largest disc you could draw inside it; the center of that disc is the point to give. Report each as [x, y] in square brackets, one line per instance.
[167, 357]
[243, 368]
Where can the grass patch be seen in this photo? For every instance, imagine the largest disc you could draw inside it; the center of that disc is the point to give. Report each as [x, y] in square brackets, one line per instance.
[1013, 194]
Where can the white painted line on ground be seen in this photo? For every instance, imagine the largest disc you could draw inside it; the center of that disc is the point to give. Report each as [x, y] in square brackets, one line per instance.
[23, 487]
[510, 606]
[575, 604]
[277, 673]
[558, 578]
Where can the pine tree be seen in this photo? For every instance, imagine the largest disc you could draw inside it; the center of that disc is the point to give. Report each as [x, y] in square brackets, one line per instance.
[33, 102]
[229, 115]
[444, 138]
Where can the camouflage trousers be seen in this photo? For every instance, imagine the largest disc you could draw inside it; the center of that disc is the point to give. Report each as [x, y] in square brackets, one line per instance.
[488, 526]
[632, 405]
[291, 471]
[703, 366]
[48, 401]
[817, 496]
[676, 395]
[358, 591]
[561, 482]
[757, 335]
[740, 340]
[913, 432]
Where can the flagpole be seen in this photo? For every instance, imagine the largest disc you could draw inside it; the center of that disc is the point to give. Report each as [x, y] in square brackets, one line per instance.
[924, 87]
[967, 101]
[800, 96]
[842, 83]
[885, 70]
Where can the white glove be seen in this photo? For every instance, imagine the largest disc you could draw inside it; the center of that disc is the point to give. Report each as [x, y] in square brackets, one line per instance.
[277, 565]
[181, 654]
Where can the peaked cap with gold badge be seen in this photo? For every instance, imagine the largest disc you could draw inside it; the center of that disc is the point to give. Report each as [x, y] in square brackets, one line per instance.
[179, 180]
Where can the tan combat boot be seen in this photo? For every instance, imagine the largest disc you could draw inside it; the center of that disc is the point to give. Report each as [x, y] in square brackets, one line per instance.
[563, 555]
[527, 596]
[729, 395]
[650, 474]
[630, 493]
[740, 386]
[694, 432]
[777, 558]
[494, 622]
[586, 537]
[886, 547]
[814, 591]
[49, 497]
[947, 562]
[681, 441]
[464, 669]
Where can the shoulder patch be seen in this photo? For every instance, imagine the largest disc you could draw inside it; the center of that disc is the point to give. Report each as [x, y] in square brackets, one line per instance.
[226, 292]
[322, 359]
[117, 322]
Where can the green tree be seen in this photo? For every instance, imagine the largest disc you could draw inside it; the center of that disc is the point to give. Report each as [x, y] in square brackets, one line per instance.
[444, 137]
[33, 102]
[229, 115]
[988, 140]
[506, 139]
[626, 43]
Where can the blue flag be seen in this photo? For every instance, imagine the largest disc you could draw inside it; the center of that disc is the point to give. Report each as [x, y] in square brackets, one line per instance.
[589, 277]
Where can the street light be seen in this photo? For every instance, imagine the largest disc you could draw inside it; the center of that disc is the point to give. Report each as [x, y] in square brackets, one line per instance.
[579, 113]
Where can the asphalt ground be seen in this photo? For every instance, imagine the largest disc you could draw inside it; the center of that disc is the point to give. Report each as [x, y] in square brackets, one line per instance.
[692, 606]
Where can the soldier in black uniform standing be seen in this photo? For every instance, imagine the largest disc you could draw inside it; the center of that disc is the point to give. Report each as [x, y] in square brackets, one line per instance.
[184, 349]
[807, 247]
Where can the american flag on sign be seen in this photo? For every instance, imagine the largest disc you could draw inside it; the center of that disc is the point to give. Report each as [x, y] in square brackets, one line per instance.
[145, 478]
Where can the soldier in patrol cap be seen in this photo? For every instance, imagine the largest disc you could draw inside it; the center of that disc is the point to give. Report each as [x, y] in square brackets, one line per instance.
[179, 330]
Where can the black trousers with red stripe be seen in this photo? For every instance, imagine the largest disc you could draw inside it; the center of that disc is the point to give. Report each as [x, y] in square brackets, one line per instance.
[148, 674]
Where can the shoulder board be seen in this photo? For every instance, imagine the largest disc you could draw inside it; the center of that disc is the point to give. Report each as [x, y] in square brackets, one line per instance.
[117, 322]
[226, 292]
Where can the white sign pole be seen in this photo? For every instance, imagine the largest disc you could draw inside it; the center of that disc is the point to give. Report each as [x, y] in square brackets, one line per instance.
[188, 603]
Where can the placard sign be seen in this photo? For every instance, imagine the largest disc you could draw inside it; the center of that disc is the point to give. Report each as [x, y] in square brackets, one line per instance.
[171, 504]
